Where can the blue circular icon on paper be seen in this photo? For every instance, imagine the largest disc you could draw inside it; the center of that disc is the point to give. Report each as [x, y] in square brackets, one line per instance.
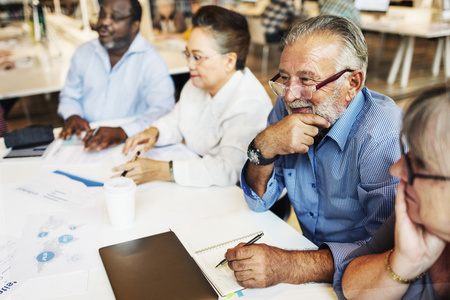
[76, 257]
[45, 256]
[43, 234]
[64, 239]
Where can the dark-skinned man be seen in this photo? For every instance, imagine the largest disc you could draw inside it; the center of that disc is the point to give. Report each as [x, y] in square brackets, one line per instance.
[117, 76]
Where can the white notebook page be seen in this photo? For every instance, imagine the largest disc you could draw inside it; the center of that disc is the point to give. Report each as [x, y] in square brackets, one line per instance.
[207, 241]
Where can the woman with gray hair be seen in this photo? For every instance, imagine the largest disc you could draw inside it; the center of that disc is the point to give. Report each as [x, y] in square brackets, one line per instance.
[221, 107]
[409, 256]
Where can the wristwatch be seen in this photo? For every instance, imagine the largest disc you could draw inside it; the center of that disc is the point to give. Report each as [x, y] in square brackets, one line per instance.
[256, 158]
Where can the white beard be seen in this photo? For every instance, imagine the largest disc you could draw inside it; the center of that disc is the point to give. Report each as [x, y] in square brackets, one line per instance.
[328, 109]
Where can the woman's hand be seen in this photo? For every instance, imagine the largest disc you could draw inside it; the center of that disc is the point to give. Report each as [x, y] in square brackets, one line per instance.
[148, 137]
[144, 170]
[416, 249]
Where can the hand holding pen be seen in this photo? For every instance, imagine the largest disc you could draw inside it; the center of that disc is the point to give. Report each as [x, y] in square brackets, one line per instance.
[90, 134]
[251, 242]
[132, 160]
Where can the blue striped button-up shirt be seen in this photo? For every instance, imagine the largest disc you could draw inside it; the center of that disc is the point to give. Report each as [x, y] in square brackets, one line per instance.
[341, 190]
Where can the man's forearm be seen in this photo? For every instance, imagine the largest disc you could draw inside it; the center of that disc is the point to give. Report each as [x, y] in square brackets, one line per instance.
[309, 266]
[257, 177]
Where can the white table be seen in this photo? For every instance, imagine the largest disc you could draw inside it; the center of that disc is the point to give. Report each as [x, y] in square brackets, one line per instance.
[159, 206]
[42, 68]
[409, 32]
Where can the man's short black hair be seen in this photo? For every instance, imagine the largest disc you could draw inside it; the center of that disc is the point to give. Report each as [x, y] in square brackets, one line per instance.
[136, 10]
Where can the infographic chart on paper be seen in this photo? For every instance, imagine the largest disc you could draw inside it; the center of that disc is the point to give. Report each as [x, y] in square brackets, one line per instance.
[8, 251]
[55, 244]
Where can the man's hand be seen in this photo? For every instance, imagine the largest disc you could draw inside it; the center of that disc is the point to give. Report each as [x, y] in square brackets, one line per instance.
[260, 265]
[293, 134]
[256, 266]
[74, 124]
[105, 137]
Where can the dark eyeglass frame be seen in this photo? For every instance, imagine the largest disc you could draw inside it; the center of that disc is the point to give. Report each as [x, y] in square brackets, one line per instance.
[113, 17]
[411, 175]
[320, 84]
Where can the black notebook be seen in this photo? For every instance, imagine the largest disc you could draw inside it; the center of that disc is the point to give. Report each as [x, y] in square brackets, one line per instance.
[154, 267]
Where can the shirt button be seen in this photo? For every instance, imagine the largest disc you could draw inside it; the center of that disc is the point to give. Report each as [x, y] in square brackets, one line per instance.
[311, 214]
[313, 185]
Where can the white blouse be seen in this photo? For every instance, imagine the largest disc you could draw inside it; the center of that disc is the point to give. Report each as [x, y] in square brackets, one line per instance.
[218, 129]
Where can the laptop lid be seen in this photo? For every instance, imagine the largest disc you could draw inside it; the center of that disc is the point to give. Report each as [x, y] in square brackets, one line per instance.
[154, 267]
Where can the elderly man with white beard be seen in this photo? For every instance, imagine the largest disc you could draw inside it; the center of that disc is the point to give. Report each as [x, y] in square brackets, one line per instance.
[330, 143]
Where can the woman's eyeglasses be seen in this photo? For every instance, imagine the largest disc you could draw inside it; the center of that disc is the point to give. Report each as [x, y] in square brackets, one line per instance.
[197, 58]
[411, 175]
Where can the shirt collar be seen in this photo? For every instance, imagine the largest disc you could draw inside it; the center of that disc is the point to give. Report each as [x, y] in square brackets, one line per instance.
[341, 129]
[225, 94]
[139, 44]
[229, 87]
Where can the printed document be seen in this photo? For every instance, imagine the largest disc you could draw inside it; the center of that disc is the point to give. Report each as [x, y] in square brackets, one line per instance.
[60, 190]
[71, 152]
[8, 282]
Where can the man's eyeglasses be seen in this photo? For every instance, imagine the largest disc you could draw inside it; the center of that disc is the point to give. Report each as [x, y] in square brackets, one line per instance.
[411, 175]
[197, 58]
[102, 16]
[305, 91]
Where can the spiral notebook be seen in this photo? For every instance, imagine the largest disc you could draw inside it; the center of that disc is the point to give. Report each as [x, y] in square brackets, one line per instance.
[207, 241]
